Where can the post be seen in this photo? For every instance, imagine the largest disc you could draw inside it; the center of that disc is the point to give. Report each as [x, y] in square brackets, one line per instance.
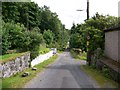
[88, 38]
[87, 9]
[62, 37]
[88, 51]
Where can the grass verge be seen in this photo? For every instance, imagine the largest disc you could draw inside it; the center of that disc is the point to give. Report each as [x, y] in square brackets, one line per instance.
[82, 56]
[99, 77]
[60, 51]
[17, 81]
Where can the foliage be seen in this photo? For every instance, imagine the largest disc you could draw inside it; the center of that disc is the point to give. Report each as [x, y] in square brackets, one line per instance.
[35, 18]
[112, 22]
[16, 37]
[60, 41]
[15, 34]
[31, 15]
[99, 77]
[43, 49]
[75, 40]
[96, 38]
[49, 20]
[37, 29]
[10, 10]
[79, 56]
[106, 71]
[92, 28]
[118, 21]
[34, 40]
[5, 36]
[24, 13]
[65, 37]
[48, 36]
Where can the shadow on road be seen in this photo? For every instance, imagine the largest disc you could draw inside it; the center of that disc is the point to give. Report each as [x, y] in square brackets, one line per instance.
[82, 79]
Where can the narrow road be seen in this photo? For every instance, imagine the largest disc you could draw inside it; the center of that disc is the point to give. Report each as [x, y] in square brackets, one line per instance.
[65, 72]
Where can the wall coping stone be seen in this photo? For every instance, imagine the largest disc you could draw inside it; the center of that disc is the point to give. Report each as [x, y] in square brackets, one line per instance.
[10, 59]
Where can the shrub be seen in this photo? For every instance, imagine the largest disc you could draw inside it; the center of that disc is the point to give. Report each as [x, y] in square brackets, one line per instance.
[15, 36]
[48, 36]
[75, 40]
[5, 42]
[14, 33]
[36, 29]
[34, 39]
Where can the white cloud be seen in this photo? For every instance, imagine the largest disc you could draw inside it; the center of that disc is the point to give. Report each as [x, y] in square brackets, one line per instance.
[66, 9]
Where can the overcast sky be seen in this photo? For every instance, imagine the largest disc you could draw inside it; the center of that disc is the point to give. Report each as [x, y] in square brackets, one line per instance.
[66, 9]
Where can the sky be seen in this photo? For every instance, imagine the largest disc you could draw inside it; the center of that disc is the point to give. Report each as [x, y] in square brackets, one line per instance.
[66, 9]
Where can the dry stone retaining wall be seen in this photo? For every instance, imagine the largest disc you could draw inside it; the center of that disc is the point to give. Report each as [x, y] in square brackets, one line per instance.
[14, 66]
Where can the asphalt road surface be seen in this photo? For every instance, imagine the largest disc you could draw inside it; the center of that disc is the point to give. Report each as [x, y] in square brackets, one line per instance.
[65, 72]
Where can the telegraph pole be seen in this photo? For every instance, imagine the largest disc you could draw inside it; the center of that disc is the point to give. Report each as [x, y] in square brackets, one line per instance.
[87, 9]
[88, 38]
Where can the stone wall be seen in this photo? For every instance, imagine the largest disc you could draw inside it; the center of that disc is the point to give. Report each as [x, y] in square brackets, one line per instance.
[14, 66]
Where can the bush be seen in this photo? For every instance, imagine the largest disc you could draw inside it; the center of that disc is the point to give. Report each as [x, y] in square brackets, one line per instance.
[34, 39]
[48, 36]
[75, 41]
[15, 36]
[43, 49]
[5, 39]
[31, 42]
[36, 29]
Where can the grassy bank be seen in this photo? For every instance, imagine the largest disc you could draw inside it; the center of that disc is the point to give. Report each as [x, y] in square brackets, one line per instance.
[17, 81]
[8, 57]
[99, 77]
[43, 49]
[75, 55]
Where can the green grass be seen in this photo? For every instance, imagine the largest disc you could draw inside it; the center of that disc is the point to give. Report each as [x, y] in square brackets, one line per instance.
[60, 51]
[99, 77]
[8, 57]
[43, 50]
[82, 56]
[17, 81]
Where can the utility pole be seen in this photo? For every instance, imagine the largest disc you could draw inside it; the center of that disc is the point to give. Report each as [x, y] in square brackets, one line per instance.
[87, 9]
[88, 38]
[63, 27]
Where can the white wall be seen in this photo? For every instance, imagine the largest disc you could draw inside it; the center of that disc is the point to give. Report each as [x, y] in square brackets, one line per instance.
[119, 46]
[41, 58]
[112, 45]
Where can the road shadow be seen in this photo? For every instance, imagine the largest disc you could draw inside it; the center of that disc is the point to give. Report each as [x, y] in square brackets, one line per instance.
[82, 79]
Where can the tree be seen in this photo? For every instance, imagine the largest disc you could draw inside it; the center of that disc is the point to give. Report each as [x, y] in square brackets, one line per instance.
[10, 11]
[4, 40]
[95, 27]
[75, 40]
[26, 13]
[48, 36]
[34, 18]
